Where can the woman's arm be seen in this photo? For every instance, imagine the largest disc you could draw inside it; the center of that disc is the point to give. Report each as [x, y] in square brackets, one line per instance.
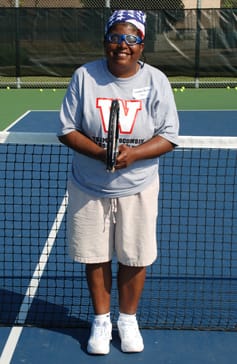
[127, 155]
[84, 145]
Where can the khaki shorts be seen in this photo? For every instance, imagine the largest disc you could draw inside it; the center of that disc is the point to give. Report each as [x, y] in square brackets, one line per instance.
[99, 228]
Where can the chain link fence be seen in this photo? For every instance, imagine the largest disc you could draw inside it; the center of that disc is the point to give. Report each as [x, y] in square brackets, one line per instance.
[121, 4]
[42, 41]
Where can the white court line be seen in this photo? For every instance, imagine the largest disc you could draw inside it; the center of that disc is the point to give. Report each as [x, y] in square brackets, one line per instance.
[15, 332]
[24, 115]
[17, 120]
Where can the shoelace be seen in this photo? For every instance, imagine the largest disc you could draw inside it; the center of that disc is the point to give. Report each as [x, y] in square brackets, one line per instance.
[102, 330]
[130, 329]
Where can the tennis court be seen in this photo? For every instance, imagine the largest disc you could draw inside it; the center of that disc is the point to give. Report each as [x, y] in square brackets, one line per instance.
[188, 311]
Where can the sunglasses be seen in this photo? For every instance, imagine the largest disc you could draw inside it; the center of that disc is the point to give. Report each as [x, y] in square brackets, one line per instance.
[129, 39]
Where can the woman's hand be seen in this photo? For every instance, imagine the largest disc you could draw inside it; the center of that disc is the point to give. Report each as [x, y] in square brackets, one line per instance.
[125, 156]
[153, 148]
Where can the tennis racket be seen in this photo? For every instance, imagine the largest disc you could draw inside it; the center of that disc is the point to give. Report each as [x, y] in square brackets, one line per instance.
[113, 134]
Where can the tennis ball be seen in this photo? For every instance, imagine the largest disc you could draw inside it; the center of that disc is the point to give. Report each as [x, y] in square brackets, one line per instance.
[8, 87]
[41, 90]
[236, 88]
[182, 90]
[54, 89]
[175, 89]
[228, 87]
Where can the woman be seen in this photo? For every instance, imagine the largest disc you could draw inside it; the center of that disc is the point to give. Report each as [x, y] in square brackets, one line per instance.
[116, 213]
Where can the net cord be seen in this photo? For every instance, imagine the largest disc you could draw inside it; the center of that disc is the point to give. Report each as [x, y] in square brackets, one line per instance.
[186, 141]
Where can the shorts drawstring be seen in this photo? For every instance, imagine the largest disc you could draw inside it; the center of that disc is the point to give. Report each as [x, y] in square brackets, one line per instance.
[111, 210]
[113, 204]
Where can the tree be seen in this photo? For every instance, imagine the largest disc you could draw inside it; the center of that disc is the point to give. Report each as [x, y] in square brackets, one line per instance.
[229, 3]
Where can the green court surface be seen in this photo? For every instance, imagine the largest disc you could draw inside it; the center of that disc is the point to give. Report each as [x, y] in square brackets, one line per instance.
[15, 102]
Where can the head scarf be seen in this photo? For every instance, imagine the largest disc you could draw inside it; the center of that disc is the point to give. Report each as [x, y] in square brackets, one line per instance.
[135, 17]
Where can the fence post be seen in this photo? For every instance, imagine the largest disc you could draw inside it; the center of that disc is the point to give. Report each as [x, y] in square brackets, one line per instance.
[17, 45]
[197, 44]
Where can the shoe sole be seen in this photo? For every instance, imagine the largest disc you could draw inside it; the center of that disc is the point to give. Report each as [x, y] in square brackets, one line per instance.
[92, 351]
[130, 350]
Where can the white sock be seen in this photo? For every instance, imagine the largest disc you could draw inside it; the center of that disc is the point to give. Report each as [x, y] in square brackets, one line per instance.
[103, 317]
[127, 317]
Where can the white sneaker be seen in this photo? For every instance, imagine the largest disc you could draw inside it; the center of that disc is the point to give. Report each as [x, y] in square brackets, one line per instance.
[131, 339]
[99, 341]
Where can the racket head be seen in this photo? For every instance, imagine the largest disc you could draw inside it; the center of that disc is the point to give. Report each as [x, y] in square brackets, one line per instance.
[113, 134]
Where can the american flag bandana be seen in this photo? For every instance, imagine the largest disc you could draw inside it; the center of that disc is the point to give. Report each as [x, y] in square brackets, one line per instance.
[135, 17]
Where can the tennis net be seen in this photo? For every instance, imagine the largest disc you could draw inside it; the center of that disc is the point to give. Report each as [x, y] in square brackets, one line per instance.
[193, 283]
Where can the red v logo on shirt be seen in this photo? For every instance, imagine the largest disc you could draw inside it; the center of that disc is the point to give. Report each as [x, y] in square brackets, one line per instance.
[127, 114]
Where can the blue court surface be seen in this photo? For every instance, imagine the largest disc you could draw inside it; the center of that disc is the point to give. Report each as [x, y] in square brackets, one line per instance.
[211, 123]
[33, 345]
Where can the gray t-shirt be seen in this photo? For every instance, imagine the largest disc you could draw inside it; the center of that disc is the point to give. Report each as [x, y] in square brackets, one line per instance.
[147, 108]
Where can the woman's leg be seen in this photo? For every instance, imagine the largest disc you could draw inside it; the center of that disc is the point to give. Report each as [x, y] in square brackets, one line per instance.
[130, 286]
[99, 279]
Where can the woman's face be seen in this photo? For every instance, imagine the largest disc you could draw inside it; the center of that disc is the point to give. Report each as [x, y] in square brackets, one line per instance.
[122, 58]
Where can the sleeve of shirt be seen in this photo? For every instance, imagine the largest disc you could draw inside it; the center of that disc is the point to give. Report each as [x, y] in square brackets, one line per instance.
[71, 111]
[167, 114]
